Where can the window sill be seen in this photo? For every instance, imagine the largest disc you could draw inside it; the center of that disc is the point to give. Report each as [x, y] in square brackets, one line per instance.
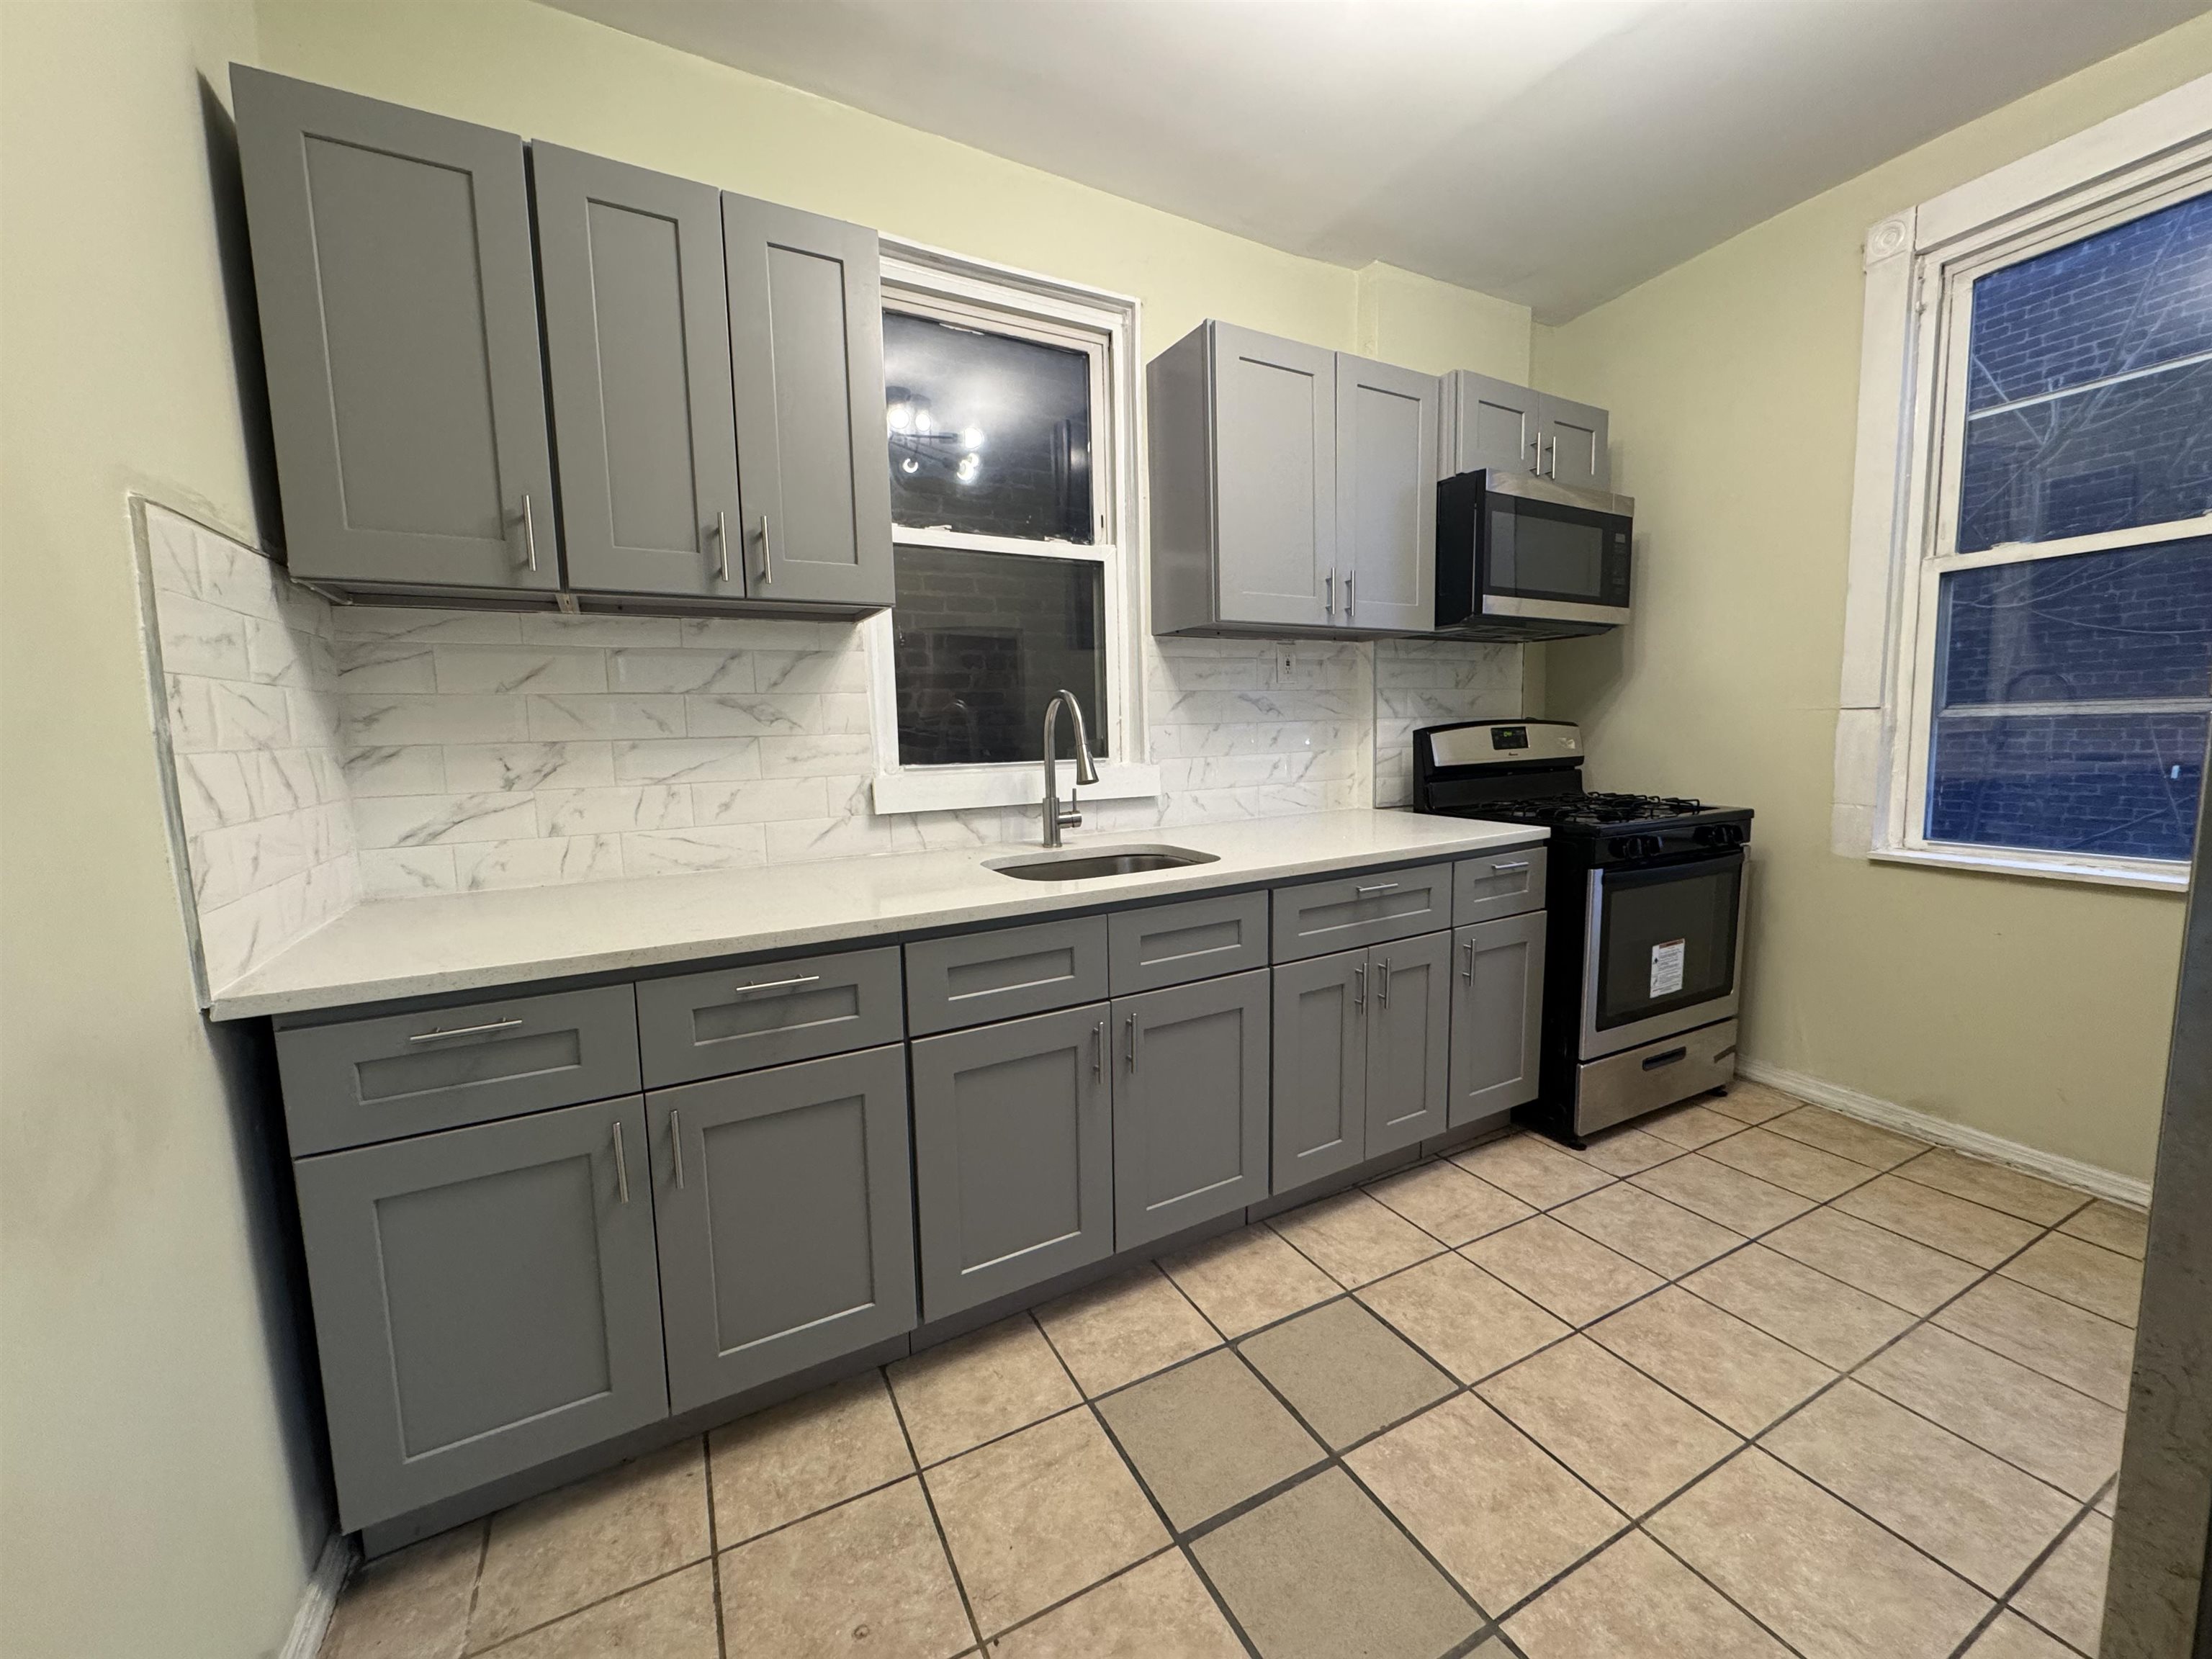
[964, 788]
[2054, 866]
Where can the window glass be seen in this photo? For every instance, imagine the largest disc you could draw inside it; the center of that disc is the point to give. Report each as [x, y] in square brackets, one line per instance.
[2071, 701]
[982, 641]
[2089, 393]
[989, 434]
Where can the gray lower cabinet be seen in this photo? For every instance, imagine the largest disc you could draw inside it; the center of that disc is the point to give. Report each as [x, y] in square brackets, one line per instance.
[806, 348]
[637, 346]
[485, 1300]
[1497, 1017]
[1409, 1047]
[1319, 918]
[1190, 1105]
[1320, 1068]
[1386, 494]
[785, 1219]
[1013, 1156]
[393, 272]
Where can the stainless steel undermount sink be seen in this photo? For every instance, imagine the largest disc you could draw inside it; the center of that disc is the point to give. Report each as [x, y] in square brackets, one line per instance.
[1088, 863]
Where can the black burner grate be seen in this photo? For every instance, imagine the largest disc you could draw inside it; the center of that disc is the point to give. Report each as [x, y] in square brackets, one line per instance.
[1593, 808]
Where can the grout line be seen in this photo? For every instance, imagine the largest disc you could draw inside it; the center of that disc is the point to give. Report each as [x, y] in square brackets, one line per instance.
[714, 1546]
[936, 1521]
[583, 1607]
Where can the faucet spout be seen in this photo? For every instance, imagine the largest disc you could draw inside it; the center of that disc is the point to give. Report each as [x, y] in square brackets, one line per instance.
[1086, 770]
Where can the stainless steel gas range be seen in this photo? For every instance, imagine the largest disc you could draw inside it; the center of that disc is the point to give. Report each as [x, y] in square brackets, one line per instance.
[1645, 937]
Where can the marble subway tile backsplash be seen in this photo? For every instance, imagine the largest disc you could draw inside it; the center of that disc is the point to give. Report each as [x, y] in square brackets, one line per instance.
[262, 800]
[392, 752]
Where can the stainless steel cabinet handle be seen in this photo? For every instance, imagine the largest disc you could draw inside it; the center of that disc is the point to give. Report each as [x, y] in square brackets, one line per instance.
[1467, 973]
[1129, 1030]
[768, 552]
[1536, 466]
[465, 1030]
[676, 1142]
[1349, 576]
[1553, 471]
[529, 531]
[722, 541]
[1099, 1049]
[1378, 887]
[1329, 593]
[1508, 869]
[1360, 985]
[776, 984]
[621, 1165]
[1382, 982]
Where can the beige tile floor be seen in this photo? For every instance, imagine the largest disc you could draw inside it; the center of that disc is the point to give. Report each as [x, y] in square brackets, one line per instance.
[1521, 1401]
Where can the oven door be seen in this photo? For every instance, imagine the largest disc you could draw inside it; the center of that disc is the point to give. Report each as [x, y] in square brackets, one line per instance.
[1663, 950]
[1549, 552]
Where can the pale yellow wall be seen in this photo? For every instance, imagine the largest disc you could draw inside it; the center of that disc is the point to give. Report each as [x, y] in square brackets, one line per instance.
[549, 74]
[155, 1496]
[2035, 1010]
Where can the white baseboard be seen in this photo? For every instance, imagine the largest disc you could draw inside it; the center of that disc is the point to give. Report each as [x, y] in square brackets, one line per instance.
[2067, 1171]
[319, 1599]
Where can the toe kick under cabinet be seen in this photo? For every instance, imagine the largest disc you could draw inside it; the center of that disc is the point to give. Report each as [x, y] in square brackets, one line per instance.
[542, 1221]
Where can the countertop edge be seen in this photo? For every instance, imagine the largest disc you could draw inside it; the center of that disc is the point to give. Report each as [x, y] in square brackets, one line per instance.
[1039, 903]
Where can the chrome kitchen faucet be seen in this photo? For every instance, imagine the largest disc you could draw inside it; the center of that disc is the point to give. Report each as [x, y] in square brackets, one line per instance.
[1085, 772]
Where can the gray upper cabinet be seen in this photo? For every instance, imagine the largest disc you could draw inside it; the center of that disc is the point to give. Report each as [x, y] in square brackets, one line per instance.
[1190, 1105]
[485, 1300]
[807, 347]
[785, 1213]
[1320, 1068]
[1243, 454]
[1493, 424]
[392, 261]
[1409, 1046]
[637, 345]
[1013, 1155]
[1498, 998]
[1387, 421]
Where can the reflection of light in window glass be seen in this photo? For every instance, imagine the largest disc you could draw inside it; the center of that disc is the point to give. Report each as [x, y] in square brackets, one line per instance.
[988, 433]
[981, 642]
[2071, 701]
[2089, 396]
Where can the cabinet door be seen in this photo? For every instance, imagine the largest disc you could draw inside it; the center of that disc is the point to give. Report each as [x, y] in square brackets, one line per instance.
[392, 264]
[1409, 1041]
[485, 1299]
[1494, 425]
[1497, 1018]
[1190, 1105]
[1274, 479]
[1386, 494]
[637, 350]
[1013, 1155]
[806, 346]
[1574, 437]
[1320, 1068]
[785, 1219]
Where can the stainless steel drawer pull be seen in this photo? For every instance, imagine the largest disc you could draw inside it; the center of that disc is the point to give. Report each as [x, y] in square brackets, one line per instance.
[1359, 987]
[778, 984]
[1468, 972]
[1508, 869]
[465, 1030]
[767, 569]
[1382, 982]
[1099, 1049]
[1129, 1030]
[1328, 594]
[621, 1165]
[1379, 887]
[676, 1143]
[722, 541]
[529, 531]
[1349, 576]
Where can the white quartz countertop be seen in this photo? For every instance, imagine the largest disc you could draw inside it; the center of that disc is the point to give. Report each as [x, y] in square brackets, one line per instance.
[384, 951]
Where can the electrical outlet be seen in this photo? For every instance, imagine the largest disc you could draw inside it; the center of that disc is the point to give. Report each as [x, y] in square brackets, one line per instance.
[1285, 661]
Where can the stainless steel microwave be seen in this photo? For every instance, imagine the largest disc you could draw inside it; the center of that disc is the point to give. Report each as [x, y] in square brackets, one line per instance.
[1519, 557]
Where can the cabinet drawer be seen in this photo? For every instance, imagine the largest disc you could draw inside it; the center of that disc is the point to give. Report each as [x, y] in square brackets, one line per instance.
[1004, 974]
[1344, 912]
[1174, 944]
[740, 1019]
[1498, 885]
[363, 1081]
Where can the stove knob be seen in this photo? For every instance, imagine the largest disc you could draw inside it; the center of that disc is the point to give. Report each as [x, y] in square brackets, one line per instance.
[1720, 835]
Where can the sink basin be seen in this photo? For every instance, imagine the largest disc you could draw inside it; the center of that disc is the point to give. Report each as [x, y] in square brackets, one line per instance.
[1089, 863]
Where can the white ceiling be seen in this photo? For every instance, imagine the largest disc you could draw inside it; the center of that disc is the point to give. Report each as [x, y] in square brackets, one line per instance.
[1554, 152]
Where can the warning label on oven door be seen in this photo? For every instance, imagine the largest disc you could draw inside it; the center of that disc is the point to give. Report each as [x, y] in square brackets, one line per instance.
[1667, 969]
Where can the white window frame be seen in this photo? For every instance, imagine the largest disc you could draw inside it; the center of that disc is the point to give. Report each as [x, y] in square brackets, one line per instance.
[1920, 268]
[931, 282]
